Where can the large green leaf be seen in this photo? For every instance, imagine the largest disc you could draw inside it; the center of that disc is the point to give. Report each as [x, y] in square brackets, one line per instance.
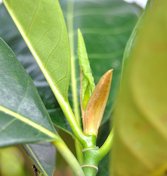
[46, 37]
[140, 140]
[23, 117]
[11, 35]
[106, 26]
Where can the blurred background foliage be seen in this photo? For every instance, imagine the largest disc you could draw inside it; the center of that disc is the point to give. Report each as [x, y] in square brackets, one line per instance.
[13, 163]
[106, 26]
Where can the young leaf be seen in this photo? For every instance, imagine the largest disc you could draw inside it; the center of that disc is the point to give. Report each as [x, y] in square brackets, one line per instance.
[23, 117]
[140, 118]
[87, 80]
[42, 26]
[94, 111]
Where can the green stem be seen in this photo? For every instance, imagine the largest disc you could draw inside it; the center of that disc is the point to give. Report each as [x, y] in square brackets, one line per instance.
[93, 155]
[90, 163]
[69, 157]
[106, 147]
[73, 76]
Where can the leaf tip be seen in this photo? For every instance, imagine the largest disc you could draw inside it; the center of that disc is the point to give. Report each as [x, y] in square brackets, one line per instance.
[108, 75]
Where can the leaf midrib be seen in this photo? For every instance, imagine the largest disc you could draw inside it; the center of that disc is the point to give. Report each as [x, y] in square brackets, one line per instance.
[36, 56]
[28, 122]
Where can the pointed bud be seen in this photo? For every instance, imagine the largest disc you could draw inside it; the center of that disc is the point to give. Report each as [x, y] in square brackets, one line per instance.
[95, 108]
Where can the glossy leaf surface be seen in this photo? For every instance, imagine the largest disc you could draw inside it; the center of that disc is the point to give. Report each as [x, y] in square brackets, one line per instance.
[11, 35]
[140, 140]
[46, 37]
[23, 117]
[106, 26]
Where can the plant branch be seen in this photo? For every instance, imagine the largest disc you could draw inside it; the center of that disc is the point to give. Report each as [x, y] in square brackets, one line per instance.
[93, 155]
[105, 148]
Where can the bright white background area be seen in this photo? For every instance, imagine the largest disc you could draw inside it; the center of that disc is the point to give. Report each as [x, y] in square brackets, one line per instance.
[142, 3]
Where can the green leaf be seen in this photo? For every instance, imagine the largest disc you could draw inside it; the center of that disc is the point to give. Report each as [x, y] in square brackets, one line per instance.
[46, 37]
[44, 156]
[106, 26]
[23, 117]
[87, 80]
[12, 37]
[122, 14]
[117, 13]
[141, 114]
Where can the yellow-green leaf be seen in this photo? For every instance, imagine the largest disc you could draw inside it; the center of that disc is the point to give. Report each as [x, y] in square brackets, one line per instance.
[140, 141]
[42, 26]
